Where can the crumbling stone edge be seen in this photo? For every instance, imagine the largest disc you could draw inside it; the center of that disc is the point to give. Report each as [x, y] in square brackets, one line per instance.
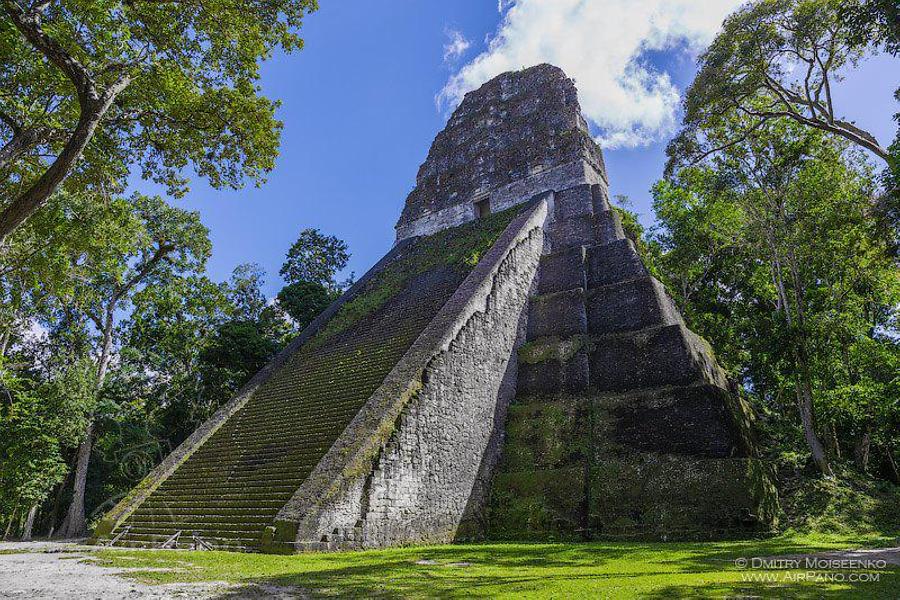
[343, 469]
[177, 457]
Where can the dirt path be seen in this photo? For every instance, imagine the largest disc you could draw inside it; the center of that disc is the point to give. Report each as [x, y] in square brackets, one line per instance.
[62, 571]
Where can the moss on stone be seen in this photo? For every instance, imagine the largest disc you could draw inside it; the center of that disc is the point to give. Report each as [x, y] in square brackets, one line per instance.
[551, 348]
[460, 248]
[536, 505]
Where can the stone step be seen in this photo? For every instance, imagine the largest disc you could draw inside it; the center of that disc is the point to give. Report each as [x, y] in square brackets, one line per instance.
[696, 420]
[210, 505]
[231, 513]
[653, 357]
[262, 456]
[563, 270]
[629, 306]
[614, 262]
[290, 426]
[161, 518]
[282, 474]
[550, 365]
[200, 491]
[573, 202]
[585, 230]
[324, 420]
[560, 314]
[263, 486]
[223, 530]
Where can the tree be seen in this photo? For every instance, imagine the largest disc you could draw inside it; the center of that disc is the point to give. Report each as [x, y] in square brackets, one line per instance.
[102, 86]
[771, 247]
[774, 59]
[315, 258]
[38, 421]
[146, 239]
[304, 301]
[245, 291]
[874, 22]
[163, 341]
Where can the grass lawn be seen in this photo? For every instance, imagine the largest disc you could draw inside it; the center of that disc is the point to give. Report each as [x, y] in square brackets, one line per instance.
[600, 569]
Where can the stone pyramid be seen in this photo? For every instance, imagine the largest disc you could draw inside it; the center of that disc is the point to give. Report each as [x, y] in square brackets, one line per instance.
[509, 370]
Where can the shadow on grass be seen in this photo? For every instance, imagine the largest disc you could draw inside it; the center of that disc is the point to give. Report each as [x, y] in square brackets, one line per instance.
[598, 569]
[885, 586]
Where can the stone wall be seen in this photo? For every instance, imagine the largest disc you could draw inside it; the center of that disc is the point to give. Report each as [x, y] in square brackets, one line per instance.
[545, 182]
[405, 469]
[519, 134]
[426, 473]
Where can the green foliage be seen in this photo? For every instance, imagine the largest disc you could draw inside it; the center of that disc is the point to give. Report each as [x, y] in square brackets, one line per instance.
[304, 300]
[315, 258]
[846, 505]
[459, 248]
[772, 245]
[39, 421]
[773, 59]
[245, 291]
[874, 22]
[191, 98]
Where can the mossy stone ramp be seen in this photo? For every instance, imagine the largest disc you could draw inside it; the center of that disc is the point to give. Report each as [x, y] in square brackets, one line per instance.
[228, 489]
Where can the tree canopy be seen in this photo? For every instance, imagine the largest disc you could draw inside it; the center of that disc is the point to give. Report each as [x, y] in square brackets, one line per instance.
[94, 89]
[777, 59]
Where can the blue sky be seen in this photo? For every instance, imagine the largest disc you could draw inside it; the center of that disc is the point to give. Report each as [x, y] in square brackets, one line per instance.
[359, 112]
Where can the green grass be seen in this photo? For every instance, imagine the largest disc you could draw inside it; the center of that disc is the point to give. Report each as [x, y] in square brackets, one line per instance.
[600, 569]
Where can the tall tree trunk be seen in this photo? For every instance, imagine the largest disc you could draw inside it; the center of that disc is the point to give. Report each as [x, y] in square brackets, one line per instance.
[804, 403]
[9, 526]
[76, 524]
[804, 391]
[29, 523]
[57, 502]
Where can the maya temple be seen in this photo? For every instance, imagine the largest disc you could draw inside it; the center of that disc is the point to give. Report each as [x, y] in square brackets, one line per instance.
[509, 370]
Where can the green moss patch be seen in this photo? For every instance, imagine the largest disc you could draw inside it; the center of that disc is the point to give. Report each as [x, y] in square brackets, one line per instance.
[458, 247]
[551, 348]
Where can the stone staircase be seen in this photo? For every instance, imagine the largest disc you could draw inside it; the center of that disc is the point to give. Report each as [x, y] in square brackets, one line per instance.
[623, 424]
[230, 489]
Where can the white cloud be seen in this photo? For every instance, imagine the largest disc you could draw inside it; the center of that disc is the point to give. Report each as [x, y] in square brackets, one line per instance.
[600, 43]
[455, 46]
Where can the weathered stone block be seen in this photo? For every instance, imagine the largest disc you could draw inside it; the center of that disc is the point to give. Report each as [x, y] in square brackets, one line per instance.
[613, 262]
[546, 434]
[600, 198]
[608, 227]
[559, 314]
[630, 305]
[562, 271]
[566, 374]
[668, 355]
[575, 231]
[697, 420]
[537, 505]
[679, 497]
[573, 202]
